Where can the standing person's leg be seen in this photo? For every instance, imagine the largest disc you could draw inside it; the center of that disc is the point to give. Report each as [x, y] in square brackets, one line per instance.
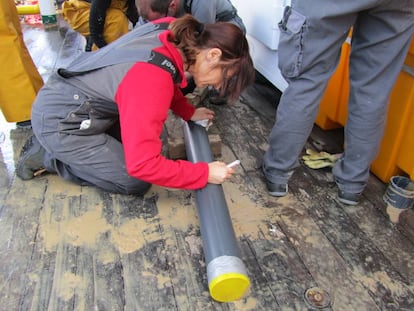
[380, 41]
[309, 50]
[19, 79]
[116, 24]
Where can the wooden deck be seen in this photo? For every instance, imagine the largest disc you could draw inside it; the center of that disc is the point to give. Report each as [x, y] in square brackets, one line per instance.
[67, 247]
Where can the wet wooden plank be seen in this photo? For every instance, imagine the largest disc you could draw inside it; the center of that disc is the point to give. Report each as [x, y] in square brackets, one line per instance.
[371, 268]
[98, 261]
[141, 246]
[57, 286]
[244, 133]
[188, 270]
[278, 275]
[19, 210]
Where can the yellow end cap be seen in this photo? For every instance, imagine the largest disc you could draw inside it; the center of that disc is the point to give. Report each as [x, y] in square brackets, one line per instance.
[28, 9]
[229, 287]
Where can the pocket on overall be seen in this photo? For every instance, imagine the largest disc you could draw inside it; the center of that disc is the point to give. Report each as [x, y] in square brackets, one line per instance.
[72, 124]
[290, 48]
[90, 118]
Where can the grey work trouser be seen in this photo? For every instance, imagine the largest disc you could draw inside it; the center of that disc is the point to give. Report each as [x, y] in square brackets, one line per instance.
[312, 34]
[85, 156]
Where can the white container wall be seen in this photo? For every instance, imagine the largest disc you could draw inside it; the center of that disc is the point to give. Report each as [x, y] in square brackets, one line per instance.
[261, 18]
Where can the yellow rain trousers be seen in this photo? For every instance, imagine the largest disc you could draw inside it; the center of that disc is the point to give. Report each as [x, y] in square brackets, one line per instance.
[76, 14]
[19, 79]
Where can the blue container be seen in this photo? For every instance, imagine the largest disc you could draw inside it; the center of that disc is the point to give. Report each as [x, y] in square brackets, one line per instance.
[400, 192]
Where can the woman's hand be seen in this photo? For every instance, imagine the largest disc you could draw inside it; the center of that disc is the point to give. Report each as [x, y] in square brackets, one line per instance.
[203, 113]
[219, 172]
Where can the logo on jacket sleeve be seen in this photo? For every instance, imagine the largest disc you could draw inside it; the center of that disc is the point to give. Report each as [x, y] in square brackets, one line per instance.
[167, 63]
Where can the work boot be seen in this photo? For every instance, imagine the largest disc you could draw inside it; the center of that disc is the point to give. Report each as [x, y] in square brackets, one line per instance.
[348, 198]
[31, 159]
[214, 97]
[277, 190]
[24, 125]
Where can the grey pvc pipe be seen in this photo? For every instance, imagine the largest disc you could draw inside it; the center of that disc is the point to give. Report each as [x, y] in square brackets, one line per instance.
[226, 272]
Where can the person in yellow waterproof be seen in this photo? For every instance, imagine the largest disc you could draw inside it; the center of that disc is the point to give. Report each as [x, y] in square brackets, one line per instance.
[19, 79]
[100, 21]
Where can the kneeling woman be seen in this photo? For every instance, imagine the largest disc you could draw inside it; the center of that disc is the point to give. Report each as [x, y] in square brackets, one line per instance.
[128, 87]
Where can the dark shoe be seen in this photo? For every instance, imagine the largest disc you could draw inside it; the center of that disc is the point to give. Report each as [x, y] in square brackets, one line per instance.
[31, 159]
[277, 190]
[348, 198]
[24, 125]
[215, 98]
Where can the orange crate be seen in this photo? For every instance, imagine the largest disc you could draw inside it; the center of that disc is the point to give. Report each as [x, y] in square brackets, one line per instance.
[405, 157]
[333, 109]
[399, 131]
[411, 49]
[396, 154]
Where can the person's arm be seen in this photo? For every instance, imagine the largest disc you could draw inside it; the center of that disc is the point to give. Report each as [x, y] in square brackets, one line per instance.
[144, 98]
[97, 17]
[180, 105]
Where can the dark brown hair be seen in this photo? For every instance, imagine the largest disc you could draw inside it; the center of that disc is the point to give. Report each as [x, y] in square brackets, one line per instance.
[191, 36]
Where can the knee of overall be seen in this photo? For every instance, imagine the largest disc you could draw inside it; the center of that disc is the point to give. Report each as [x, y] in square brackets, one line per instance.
[137, 187]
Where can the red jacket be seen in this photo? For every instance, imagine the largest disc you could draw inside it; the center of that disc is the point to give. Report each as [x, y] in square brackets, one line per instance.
[144, 97]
